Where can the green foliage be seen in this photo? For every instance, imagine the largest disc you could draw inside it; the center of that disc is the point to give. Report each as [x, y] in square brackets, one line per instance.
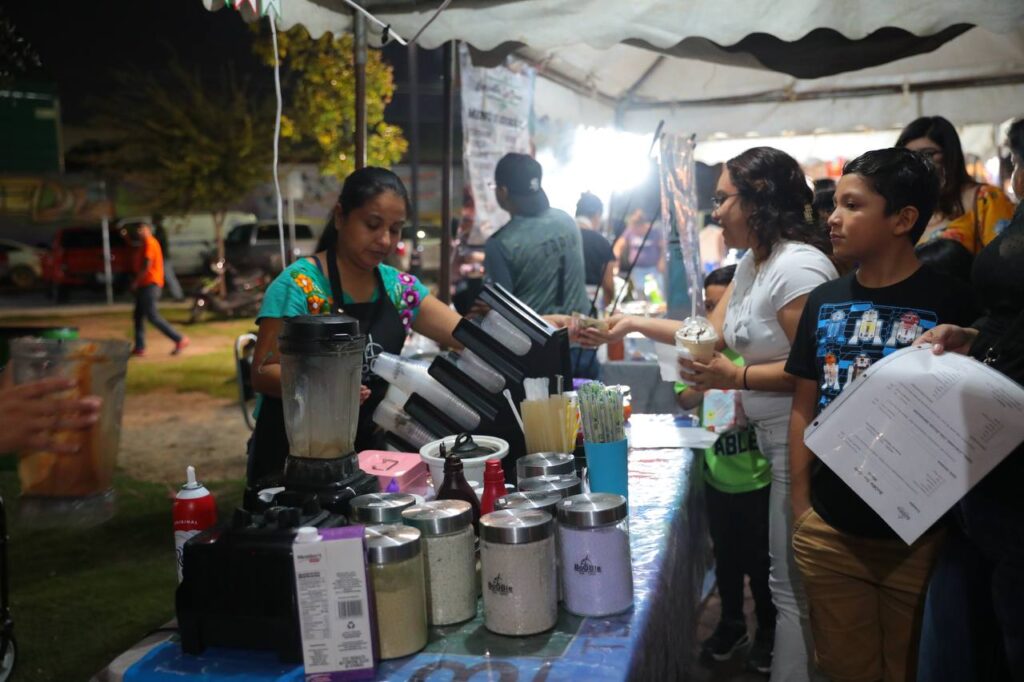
[320, 109]
[193, 143]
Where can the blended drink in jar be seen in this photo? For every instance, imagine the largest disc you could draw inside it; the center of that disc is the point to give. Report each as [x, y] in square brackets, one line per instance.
[698, 337]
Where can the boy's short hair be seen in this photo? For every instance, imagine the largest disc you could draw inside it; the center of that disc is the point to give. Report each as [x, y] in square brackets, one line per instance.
[720, 276]
[903, 178]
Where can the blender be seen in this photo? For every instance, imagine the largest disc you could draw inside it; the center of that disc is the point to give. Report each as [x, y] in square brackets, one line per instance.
[321, 372]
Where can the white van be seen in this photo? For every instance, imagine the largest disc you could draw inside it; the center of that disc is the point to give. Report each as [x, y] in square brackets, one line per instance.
[191, 236]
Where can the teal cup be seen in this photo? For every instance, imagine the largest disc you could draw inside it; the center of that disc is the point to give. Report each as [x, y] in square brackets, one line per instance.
[607, 467]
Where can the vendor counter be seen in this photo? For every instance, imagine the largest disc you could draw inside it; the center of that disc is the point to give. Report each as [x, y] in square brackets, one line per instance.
[653, 641]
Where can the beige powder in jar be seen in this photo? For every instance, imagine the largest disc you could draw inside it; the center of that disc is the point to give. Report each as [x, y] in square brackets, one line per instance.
[396, 578]
[451, 577]
[520, 587]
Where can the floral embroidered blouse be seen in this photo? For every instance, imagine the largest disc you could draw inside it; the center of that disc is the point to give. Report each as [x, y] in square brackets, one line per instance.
[302, 289]
[982, 222]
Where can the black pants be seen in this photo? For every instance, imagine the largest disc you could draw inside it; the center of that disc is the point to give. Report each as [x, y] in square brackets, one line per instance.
[145, 309]
[739, 530]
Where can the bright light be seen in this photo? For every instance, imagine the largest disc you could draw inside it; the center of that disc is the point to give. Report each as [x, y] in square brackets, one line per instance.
[600, 160]
[421, 234]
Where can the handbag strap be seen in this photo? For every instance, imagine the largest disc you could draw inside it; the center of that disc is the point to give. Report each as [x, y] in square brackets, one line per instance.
[977, 221]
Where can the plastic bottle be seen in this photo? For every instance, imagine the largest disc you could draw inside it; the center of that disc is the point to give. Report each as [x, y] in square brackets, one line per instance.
[494, 485]
[456, 487]
[651, 290]
[194, 511]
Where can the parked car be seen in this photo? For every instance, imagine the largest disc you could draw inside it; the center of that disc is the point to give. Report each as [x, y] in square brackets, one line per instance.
[20, 263]
[75, 259]
[191, 236]
[257, 246]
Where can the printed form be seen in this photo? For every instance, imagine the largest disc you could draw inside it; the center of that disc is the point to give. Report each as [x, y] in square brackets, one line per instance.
[916, 431]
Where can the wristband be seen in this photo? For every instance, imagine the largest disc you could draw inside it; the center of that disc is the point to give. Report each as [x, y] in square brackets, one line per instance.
[746, 387]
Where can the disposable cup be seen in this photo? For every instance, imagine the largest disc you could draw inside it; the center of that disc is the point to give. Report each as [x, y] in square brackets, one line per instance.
[607, 467]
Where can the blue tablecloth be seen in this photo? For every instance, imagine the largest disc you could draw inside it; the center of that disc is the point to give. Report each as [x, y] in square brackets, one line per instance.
[652, 641]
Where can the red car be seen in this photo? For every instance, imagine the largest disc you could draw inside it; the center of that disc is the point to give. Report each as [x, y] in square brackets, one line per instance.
[75, 259]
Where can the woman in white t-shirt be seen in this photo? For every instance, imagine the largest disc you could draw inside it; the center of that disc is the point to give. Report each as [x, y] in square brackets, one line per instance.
[763, 203]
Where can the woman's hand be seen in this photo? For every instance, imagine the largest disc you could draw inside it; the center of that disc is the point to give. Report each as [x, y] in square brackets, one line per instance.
[720, 373]
[364, 394]
[34, 415]
[948, 337]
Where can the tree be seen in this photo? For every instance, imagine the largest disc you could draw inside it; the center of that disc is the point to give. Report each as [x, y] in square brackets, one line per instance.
[190, 143]
[320, 112]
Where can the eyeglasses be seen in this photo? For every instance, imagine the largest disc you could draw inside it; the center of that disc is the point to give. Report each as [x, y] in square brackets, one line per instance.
[719, 199]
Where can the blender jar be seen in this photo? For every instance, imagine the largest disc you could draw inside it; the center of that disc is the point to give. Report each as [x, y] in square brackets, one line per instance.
[73, 489]
[321, 372]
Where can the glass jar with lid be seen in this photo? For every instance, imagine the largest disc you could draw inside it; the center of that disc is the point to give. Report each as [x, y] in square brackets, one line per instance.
[544, 463]
[565, 484]
[520, 584]
[396, 577]
[544, 500]
[379, 508]
[449, 555]
[596, 567]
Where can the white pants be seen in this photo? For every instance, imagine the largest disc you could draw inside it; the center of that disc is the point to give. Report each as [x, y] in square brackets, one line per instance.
[793, 659]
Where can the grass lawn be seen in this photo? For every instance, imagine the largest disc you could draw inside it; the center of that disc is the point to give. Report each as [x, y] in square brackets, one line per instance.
[80, 597]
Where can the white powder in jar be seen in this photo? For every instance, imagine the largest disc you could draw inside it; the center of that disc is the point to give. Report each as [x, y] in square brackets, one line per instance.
[520, 586]
[451, 576]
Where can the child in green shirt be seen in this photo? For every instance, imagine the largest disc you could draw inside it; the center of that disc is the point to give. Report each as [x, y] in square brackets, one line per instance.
[738, 478]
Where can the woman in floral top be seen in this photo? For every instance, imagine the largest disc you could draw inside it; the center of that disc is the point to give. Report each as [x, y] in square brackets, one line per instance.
[389, 304]
[969, 212]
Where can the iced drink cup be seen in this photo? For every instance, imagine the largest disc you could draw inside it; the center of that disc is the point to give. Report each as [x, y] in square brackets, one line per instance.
[697, 337]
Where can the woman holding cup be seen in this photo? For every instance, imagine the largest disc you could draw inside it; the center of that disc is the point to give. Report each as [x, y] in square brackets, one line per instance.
[763, 203]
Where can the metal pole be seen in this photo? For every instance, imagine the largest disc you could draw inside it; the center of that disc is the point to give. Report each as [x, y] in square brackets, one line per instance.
[292, 250]
[447, 139]
[359, 47]
[415, 258]
[108, 275]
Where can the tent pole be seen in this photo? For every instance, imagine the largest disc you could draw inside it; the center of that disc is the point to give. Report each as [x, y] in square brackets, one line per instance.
[415, 260]
[359, 48]
[447, 139]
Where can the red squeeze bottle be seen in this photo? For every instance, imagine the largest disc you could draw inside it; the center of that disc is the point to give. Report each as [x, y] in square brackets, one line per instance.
[494, 485]
[194, 511]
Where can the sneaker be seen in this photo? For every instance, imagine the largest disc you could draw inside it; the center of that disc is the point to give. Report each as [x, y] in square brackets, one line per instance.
[760, 657]
[139, 352]
[728, 638]
[181, 345]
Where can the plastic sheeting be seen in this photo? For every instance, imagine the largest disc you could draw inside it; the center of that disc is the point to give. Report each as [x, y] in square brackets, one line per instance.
[651, 642]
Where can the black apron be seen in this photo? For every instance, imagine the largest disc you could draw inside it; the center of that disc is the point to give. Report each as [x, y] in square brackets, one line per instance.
[385, 333]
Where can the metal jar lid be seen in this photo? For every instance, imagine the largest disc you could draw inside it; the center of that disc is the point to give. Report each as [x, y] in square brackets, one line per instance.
[591, 510]
[439, 517]
[516, 526]
[389, 543]
[566, 484]
[545, 500]
[379, 507]
[545, 463]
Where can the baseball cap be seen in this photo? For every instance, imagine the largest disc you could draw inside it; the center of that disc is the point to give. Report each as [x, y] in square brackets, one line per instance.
[520, 174]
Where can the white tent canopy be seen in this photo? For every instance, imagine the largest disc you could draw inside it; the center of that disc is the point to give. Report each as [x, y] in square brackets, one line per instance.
[590, 76]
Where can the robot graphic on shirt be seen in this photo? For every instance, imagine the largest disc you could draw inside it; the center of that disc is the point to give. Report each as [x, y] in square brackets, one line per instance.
[831, 373]
[860, 363]
[835, 326]
[905, 330]
[867, 330]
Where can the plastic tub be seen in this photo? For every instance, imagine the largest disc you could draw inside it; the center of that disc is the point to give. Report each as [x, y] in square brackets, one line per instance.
[472, 467]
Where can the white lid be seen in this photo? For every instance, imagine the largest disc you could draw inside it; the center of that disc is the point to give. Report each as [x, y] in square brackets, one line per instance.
[306, 535]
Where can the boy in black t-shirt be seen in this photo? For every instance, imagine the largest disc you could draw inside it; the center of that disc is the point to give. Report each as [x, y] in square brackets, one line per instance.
[865, 585]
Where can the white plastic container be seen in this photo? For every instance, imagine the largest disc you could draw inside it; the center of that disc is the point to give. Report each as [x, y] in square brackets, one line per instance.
[472, 467]
[414, 379]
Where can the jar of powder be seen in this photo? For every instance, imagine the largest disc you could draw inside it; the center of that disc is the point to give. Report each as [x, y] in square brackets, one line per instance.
[596, 569]
[377, 508]
[519, 577]
[449, 554]
[566, 484]
[546, 501]
[544, 463]
[396, 578]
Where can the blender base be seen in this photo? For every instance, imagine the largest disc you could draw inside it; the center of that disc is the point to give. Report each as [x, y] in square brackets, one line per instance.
[334, 481]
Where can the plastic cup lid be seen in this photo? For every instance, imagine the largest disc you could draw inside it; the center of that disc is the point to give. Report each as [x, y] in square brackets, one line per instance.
[439, 517]
[516, 526]
[590, 510]
[389, 543]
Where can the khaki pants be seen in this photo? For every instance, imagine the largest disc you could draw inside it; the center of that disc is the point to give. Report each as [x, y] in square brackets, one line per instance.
[866, 598]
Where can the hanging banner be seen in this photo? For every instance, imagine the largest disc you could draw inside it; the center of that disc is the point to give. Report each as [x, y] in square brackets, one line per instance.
[678, 173]
[496, 107]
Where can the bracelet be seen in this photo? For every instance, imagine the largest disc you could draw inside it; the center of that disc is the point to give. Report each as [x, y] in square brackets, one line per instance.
[746, 387]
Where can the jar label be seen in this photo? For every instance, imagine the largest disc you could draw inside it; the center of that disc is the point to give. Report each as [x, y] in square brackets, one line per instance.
[498, 586]
[586, 567]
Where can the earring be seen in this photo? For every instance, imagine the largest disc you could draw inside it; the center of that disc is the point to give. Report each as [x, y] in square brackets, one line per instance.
[808, 214]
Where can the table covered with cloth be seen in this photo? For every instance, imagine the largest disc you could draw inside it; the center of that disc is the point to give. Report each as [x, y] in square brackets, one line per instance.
[652, 641]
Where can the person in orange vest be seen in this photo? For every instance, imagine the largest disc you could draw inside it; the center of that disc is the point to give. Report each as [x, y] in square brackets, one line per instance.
[148, 284]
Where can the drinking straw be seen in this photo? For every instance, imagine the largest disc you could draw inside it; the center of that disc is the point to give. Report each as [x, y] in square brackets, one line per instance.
[601, 413]
[515, 412]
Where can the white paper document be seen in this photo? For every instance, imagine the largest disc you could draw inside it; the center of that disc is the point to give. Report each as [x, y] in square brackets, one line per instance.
[916, 431]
